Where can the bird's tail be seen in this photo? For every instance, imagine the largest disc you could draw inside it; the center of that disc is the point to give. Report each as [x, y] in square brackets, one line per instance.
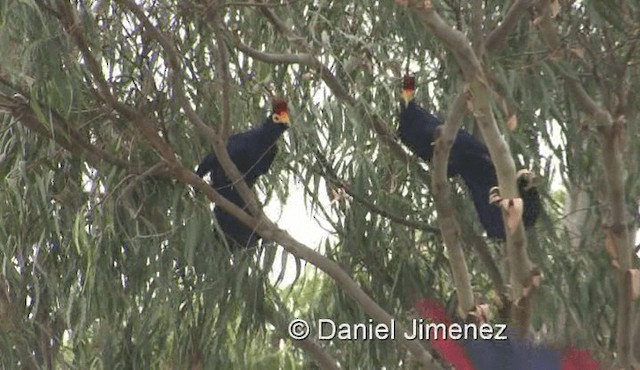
[237, 234]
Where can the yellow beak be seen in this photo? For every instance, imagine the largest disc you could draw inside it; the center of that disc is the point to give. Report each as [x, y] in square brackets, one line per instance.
[284, 118]
[407, 96]
[281, 118]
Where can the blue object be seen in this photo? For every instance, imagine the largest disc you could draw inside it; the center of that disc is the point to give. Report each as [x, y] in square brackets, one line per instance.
[469, 158]
[253, 153]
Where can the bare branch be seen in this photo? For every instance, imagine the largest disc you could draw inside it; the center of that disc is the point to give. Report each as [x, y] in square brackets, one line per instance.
[271, 231]
[273, 58]
[477, 33]
[496, 38]
[256, 4]
[286, 31]
[613, 148]
[322, 358]
[481, 94]
[441, 189]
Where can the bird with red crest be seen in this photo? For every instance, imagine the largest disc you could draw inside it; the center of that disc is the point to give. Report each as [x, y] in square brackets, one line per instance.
[252, 152]
[469, 158]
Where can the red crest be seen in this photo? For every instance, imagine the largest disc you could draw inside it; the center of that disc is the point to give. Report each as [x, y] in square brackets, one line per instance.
[279, 106]
[409, 83]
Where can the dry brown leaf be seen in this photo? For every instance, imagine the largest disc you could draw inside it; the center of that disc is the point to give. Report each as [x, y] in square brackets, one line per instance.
[336, 195]
[555, 8]
[503, 105]
[480, 312]
[555, 55]
[578, 52]
[512, 123]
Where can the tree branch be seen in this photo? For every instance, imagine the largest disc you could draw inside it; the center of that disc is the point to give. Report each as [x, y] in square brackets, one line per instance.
[441, 190]
[612, 149]
[259, 222]
[457, 43]
[477, 33]
[273, 58]
[218, 143]
[62, 132]
[496, 38]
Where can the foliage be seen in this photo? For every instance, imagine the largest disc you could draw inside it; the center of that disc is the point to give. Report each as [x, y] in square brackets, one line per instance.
[111, 261]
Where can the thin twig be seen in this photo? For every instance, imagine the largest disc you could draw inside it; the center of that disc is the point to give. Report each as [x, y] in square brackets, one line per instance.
[223, 68]
[332, 176]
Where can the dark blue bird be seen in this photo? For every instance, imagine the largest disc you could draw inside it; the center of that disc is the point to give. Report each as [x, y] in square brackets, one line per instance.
[469, 158]
[253, 153]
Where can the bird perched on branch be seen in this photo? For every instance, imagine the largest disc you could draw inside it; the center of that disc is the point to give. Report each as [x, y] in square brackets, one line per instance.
[469, 158]
[253, 153]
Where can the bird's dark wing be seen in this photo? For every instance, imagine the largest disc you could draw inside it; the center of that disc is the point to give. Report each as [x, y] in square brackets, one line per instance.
[254, 151]
[470, 159]
[236, 233]
[532, 203]
[469, 153]
[416, 130]
[239, 148]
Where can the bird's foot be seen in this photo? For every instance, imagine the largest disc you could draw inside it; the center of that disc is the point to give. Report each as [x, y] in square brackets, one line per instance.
[511, 207]
[527, 180]
[494, 195]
